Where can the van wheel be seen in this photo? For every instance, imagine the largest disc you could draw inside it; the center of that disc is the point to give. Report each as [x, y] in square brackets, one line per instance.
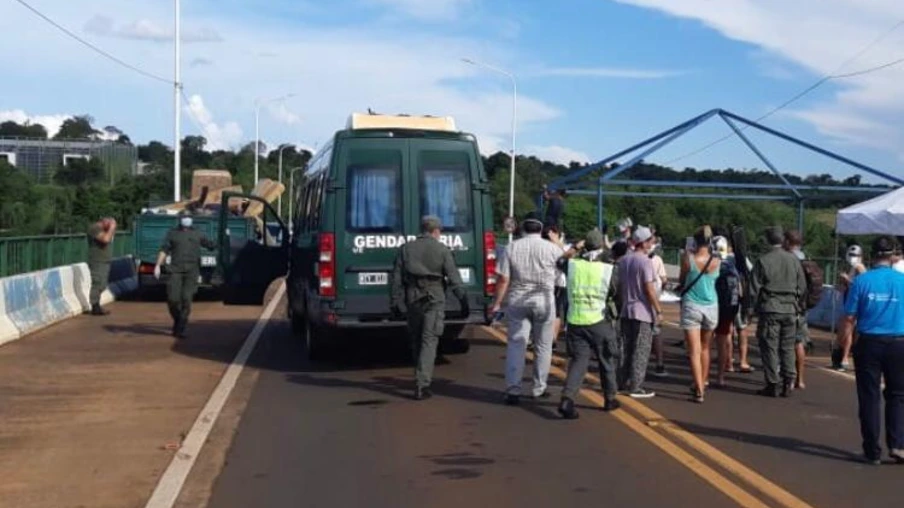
[313, 342]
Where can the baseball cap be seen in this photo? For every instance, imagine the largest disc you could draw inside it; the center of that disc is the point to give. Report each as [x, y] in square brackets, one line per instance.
[593, 240]
[855, 250]
[642, 234]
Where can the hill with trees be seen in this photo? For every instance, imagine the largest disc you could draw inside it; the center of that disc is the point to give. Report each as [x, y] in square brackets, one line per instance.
[80, 191]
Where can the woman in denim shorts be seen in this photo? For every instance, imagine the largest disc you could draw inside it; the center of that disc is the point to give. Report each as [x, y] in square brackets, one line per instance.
[699, 307]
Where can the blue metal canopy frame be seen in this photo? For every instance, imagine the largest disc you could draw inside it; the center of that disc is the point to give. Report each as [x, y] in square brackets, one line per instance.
[657, 142]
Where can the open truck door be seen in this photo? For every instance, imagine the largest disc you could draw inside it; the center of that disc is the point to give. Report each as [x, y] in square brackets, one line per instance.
[250, 264]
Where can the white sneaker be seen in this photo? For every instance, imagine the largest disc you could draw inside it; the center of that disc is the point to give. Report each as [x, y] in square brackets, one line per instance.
[640, 393]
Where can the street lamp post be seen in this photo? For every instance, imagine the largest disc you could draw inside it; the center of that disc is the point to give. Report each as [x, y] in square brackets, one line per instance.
[279, 199]
[257, 131]
[514, 123]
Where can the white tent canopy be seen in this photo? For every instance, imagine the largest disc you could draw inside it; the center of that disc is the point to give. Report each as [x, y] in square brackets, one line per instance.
[882, 215]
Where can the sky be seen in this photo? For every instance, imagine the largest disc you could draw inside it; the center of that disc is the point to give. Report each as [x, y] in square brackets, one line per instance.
[593, 76]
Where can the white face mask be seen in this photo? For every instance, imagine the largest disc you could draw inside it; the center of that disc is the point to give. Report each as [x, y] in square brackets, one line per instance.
[185, 222]
[854, 260]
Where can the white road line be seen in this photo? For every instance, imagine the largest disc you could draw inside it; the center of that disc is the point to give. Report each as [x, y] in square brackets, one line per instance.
[170, 484]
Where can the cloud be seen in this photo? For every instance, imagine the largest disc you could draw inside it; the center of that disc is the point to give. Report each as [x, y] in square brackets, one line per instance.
[281, 112]
[557, 154]
[426, 10]
[864, 110]
[219, 137]
[50, 122]
[333, 70]
[201, 62]
[147, 30]
[607, 72]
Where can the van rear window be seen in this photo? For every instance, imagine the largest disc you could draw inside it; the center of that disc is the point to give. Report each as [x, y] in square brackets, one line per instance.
[375, 190]
[445, 186]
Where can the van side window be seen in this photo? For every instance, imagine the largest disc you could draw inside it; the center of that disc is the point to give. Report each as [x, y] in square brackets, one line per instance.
[445, 188]
[316, 200]
[374, 190]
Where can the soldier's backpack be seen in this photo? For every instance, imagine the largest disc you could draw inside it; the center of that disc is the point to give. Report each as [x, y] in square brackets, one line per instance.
[813, 274]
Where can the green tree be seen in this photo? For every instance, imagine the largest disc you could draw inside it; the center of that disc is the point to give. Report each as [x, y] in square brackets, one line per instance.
[77, 127]
[80, 172]
[28, 130]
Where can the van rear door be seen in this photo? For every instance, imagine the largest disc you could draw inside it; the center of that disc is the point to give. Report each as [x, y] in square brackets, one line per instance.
[373, 193]
[447, 186]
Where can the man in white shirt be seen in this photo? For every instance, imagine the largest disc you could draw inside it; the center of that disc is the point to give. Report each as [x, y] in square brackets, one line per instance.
[527, 278]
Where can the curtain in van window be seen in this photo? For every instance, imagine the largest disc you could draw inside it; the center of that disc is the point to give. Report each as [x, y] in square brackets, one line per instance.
[373, 199]
[446, 195]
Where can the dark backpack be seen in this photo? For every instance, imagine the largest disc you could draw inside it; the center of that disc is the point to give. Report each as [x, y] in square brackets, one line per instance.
[813, 274]
[728, 286]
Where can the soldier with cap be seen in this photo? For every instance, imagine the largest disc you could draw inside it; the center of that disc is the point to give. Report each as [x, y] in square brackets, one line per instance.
[590, 286]
[423, 269]
[100, 254]
[526, 284]
[182, 245]
[777, 284]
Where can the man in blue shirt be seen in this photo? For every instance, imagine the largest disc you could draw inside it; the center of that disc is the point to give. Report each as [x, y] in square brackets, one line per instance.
[875, 302]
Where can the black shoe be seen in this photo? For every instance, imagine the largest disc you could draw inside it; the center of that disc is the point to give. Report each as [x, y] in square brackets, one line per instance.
[787, 388]
[179, 329]
[769, 390]
[97, 310]
[567, 410]
[897, 456]
[872, 461]
[512, 400]
[611, 404]
[422, 393]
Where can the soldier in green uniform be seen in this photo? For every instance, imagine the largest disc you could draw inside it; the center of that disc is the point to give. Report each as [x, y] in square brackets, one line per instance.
[422, 270]
[100, 254]
[183, 246]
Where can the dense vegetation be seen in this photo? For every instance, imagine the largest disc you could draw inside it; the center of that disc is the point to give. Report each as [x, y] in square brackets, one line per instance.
[81, 191]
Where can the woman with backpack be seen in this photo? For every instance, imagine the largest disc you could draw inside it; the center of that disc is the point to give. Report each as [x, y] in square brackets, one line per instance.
[699, 307]
[728, 291]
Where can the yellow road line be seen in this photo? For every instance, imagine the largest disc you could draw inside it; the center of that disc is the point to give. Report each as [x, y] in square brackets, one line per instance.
[654, 419]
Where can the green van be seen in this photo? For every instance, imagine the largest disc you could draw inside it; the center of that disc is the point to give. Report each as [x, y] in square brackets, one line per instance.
[360, 198]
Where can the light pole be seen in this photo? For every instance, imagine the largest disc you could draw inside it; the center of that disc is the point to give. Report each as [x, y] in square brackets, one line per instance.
[257, 131]
[279, 199]
[177, 121]
[292, 192]
[514, 123]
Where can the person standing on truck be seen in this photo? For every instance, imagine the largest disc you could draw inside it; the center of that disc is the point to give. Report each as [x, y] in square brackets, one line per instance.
[526, 283]
[100, 255]
[419, 278]
[183, 246]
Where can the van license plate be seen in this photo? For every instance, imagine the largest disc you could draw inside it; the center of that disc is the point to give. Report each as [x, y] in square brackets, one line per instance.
[373, 279]
[465, 275]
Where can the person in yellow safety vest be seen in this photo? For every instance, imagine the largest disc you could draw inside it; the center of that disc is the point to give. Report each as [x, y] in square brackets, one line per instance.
[590, 333]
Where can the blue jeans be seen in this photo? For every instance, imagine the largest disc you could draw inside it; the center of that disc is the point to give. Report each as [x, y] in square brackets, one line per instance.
[875, 357]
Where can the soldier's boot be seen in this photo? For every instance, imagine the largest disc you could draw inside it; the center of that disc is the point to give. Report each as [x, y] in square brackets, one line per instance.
[567, 410]
[770, 390]
[97, 310]
[787, 388]
[422, 393]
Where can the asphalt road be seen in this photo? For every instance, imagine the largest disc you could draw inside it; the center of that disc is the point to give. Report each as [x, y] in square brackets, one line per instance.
[348, 434]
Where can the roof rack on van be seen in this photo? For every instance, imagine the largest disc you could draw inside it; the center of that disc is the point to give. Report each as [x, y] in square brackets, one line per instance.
[376, 121]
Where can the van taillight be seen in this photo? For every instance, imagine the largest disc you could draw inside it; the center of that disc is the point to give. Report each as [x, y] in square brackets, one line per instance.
[326, 265]
[489, 264]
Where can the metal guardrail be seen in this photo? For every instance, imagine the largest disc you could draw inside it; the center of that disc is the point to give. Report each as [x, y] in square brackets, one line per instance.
[23, 254]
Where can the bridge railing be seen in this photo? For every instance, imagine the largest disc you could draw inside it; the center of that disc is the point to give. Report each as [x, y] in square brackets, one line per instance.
[22, 254]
